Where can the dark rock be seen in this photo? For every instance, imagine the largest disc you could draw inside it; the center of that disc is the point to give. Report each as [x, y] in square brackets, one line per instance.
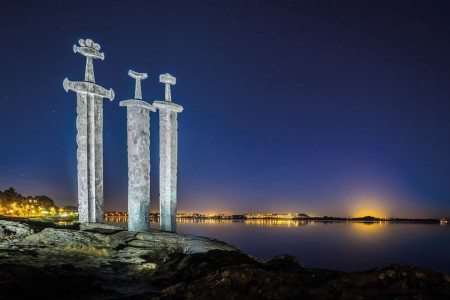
[63, 282]
[253, 280]
[285, 260]
[185, 268]
[240, 282]
[391, 282]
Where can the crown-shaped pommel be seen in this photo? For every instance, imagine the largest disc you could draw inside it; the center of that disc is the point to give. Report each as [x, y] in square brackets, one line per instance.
[89, 49]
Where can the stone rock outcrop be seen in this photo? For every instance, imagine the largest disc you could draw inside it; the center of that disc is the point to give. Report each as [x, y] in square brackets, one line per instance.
[253, 280]
[13, 230]
[97, 244]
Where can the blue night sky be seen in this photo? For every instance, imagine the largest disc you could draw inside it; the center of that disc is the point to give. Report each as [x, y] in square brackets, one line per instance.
[322, 107]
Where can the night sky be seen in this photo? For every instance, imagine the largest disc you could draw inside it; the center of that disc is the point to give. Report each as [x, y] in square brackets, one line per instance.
[321, 107]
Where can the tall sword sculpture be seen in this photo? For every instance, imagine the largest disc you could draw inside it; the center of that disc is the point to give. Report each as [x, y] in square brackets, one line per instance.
[168, 152]
[89, 135]
[138, 126]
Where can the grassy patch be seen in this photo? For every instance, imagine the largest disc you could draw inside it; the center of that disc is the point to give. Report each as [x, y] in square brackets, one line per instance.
[40, 223]
[165, 247]
[87, 250]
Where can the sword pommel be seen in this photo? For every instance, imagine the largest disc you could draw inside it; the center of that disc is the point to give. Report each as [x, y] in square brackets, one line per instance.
[89, 49]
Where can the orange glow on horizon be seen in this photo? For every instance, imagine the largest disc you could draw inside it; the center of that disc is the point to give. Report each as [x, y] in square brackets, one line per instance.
[369, 206]
[360, 213]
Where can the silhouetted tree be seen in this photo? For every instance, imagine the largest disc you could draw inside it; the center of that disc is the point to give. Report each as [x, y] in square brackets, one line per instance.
[11, 194]
[10, 199]
[45, 201]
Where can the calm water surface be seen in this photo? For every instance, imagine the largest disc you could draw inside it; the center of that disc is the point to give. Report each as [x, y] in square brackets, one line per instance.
[345, 246]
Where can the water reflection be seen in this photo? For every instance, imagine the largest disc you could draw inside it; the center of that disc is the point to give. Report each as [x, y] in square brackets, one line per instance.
[204, 221]
[116, 219]
[339, 245]
[357, 225]
[277, 223]
[211, 221]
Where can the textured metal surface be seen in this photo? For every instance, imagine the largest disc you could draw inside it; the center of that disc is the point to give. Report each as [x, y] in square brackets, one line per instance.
[89, 135]
[168, 156]
[138, 140]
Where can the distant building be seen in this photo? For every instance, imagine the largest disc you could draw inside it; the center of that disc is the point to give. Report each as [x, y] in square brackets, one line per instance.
[70, 209]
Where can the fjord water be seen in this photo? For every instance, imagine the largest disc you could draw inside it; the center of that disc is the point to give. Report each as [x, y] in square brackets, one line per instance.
[344, 246]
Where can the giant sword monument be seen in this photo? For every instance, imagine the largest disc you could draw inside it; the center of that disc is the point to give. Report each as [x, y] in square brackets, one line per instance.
[89, 135]
[138, 137]
[168, 155]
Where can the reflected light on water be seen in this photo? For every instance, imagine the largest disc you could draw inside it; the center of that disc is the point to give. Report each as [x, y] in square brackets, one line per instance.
[277, 223]
[248, 222]
[330, 244]
[116, 219]
[204, 221]
[368, 229]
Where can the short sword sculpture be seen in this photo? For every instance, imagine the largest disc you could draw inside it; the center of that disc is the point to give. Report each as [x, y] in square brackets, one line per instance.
[168, 151]
[89, 135]
[138, 126]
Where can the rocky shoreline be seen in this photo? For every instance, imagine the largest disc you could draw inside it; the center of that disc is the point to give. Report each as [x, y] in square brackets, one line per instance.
[99, 261]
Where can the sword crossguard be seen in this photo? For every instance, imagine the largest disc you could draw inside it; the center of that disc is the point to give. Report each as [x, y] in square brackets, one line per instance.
[88, 88]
